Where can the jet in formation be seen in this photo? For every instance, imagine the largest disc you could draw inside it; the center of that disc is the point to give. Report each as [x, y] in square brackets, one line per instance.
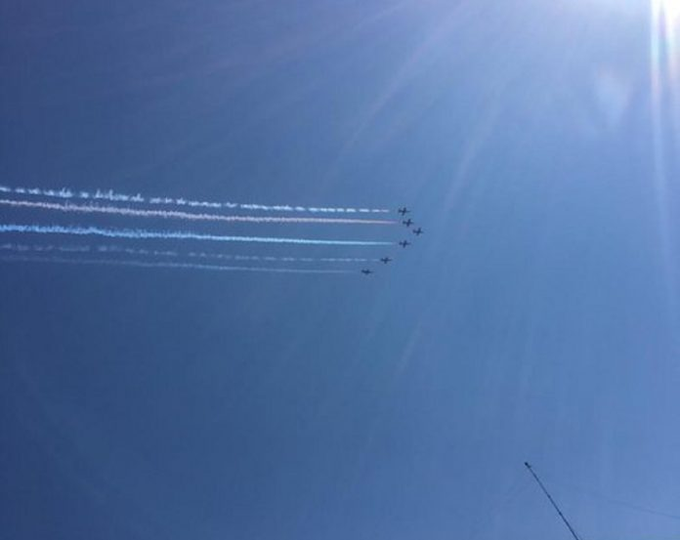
[408, 222]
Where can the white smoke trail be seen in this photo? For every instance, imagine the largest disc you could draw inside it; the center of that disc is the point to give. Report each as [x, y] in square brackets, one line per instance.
[185, 266]
[44, 249]
[188, 216]
[112, 196]
[143, 234]
[24, 248]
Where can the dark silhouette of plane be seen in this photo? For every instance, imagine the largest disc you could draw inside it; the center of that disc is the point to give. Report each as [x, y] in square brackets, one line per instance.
[418, 231]
[385, 260]
[408, 222]
[366, 272]
[404, 243]
[403, 210]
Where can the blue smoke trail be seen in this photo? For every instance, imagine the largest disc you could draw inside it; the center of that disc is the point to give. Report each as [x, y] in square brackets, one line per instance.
[143, 234]
[35, 248]
[184, 266]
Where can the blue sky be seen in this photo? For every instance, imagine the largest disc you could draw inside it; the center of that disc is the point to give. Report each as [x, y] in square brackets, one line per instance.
[536, 319]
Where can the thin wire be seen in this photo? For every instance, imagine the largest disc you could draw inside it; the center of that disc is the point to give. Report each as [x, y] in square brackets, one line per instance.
[552, 501]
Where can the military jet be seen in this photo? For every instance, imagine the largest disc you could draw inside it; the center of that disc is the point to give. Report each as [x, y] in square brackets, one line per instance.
[366, 272]
[403, 210]
[404, 243]
[418, 231]
[385, 260]
[408, 222]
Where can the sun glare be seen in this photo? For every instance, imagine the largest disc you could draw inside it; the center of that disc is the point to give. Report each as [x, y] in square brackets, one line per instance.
[667, 13]
[670, 9]
[665, 20]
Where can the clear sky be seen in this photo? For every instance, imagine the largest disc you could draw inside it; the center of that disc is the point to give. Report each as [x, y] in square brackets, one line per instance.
[537, 319]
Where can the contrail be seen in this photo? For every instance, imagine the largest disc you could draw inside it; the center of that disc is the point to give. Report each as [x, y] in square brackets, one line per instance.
[185, 266]
[112, 196]
[24, 248]
[189, 216]
[143, 234]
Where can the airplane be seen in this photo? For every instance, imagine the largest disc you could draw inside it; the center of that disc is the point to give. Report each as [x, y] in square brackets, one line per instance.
[418, 231]
[408, 222]
[385, 260]
[366, 272]
[403, 210]
[404, 243]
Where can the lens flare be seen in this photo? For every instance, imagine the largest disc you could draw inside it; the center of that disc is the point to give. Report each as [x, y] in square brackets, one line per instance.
[665, 49]
[664, 64]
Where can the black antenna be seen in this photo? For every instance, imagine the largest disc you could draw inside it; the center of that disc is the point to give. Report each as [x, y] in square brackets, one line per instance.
[552, 501]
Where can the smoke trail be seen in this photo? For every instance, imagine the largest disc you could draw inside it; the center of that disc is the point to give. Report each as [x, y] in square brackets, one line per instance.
[23, 248]
[44, 249]
[185, 266]
[143, 234]
[229, 257]
[112, 196]
[189, 216]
